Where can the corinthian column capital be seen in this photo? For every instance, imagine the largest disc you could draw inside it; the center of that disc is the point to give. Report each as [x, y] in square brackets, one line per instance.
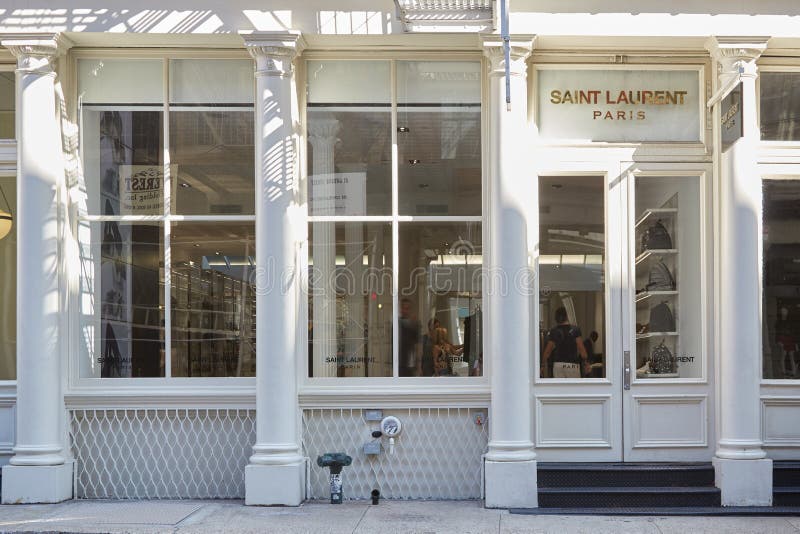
[35, 52]
[520, 47]
[736, 56]
[274, 51]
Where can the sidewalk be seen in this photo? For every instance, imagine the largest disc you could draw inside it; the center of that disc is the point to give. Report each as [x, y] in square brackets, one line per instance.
[316, 517]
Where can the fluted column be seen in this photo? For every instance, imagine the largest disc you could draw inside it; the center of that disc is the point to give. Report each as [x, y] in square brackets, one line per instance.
[322, 133]
[39, 471]
[742, 471]
[276, 473]
[511, 460]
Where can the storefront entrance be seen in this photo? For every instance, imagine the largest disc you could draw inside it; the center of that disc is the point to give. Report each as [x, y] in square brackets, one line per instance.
[624, 367]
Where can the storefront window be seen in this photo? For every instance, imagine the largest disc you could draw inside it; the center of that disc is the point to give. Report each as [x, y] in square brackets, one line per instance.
[163, 294]
[780, 106]
[572, 243]
[424, 203]
[8, 278]
[7, 100]
[668, 298]
[781, 280]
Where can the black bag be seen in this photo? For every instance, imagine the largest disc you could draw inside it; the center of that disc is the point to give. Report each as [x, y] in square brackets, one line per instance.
[660, 278]
[656, 237]
[661, 360]
[661, 318]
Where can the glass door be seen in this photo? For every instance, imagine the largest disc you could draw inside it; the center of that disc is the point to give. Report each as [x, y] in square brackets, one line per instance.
[666, 378]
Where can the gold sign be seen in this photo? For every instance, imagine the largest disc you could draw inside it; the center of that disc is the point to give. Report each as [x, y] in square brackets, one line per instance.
[597, 97]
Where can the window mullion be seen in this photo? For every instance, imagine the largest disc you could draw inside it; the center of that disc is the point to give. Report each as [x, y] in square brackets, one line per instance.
[395, 230]
[167, 230]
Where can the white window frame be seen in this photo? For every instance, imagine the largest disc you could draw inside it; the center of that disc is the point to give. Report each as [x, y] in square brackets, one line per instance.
[322, 392]
[226, 391]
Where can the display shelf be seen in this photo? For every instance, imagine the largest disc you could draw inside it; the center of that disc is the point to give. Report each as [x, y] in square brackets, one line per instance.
[650, 335]
[655, 212]
[645, 295]
[647, 254]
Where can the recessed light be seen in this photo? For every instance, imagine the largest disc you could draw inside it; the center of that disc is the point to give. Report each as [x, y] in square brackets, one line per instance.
[556, 186]
[403, 129]
[423, 186]
[414, 162]
[185, 185]
[197, 245]
[217, 253]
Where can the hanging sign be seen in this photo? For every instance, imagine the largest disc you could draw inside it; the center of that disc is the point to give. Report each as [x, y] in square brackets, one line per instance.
[731, 117]
[341, 193]
[141, 189]
[619, 105]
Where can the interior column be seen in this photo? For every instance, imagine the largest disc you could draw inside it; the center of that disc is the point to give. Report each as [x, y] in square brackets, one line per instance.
[276, 472]
[511, 460]
[743, 473]
[38, 471]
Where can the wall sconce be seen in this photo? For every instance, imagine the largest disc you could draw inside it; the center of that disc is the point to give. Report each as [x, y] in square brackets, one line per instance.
[6, 218]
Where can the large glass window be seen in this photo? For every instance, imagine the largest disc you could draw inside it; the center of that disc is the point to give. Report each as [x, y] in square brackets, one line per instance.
[8, 278]
[394, 196]
[781, 280]
[780, 106]
[7, 99]
[167, 234]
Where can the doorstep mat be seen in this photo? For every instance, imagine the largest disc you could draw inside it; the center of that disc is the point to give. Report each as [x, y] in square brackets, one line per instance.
[676, 511]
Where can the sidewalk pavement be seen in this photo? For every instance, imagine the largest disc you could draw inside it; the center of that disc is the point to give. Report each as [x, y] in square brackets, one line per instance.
[352, 516]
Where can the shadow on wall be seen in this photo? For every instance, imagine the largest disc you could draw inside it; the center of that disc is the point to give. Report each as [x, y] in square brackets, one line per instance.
[205, 17]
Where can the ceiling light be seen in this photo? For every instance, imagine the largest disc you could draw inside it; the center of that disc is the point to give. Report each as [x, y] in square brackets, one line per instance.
[185, 185]
[403, 129]
[414, 162]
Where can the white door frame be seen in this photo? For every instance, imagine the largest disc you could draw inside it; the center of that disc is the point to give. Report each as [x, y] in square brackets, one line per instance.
[594, 419]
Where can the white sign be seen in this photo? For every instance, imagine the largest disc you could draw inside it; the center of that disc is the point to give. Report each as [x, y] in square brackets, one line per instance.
[141, 189]
[342, 193]
[619, 105]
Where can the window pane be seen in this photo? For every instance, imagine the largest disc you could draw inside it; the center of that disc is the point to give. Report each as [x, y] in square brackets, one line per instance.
[213, 299]
[8, 279]
[121, 300]
[349, 138]
[441, 317]
[781, 307]
[350, 299]
[7, 100]
[207, 81]
[120, 81]
[572, 275]
[122, 161]
[439, 137]
[212, 161]
[780, 106]
[669, 322]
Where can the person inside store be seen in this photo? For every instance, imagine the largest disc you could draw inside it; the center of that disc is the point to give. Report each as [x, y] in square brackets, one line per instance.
[428, 366]
[409, 340]
[444, 352]
[567, 348]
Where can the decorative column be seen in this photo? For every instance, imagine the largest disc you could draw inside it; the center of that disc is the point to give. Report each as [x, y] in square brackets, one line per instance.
[322, 133]
[743, 473]
[276, 472]
[511, 460]
[39, 471]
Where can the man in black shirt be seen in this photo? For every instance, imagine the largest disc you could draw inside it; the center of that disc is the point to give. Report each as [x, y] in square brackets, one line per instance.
[565, 344]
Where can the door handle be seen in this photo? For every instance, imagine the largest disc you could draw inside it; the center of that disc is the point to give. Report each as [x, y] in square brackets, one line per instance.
[626, 370]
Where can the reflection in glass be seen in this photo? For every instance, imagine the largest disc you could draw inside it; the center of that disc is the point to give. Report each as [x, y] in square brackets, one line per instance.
[122, 161]
[780, 106]
[781, 305]
[668, 285]
[8, 283]
[212, 162]
[121, 295]
[441, 317]
[213, 299]
[350, 299]
[439, 137]
[572, 276]
[7, 99]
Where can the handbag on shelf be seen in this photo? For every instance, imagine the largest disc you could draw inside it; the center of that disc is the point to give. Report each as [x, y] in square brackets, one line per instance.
[656, 237]
[661, 360]
[660, 278]
[661, 318]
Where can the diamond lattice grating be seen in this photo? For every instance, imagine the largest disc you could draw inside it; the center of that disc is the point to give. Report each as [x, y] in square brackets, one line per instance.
[161, 453]
[437, 455]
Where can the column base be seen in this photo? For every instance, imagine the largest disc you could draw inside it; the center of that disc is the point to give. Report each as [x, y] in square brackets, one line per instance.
[511, 484]
[37, 484]
[744, 482]
[275, 485]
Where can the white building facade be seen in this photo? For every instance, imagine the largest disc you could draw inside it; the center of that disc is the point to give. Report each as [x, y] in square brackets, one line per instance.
[240, 237]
